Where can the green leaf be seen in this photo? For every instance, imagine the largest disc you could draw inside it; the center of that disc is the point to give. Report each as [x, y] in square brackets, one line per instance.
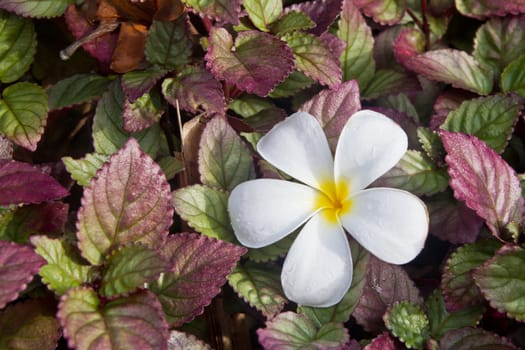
[84, 169]
[18, 39]
[409, 323]
[385, 12]
[136, 83]
[249, 105]
[262, 13]
[129, 268]
[357, 60]
[491, 119]
[313, 57]
[108, 128]
[513, 77]
[206, 210]
[442, 321]
[168, 44]
[294, 83]
[292, 21]
[431, 144]
[132, 322]
[23, 114]
[224, 160]
[400, 103]
[457, 282]
[36, 8]
[417, 174]
[498, 42]
[260, 286]
[64, 269]
[501, 281]
[171, 166]
[77, 89]
[293, 331]
[388, 81]
[341, 312]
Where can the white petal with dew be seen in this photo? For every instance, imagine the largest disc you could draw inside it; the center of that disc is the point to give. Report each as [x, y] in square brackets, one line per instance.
[263, 211]
[318, 268]
[298, 146]
[370, 145]
[391, 224]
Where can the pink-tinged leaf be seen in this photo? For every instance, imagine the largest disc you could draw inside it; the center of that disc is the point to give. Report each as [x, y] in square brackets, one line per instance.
[22, 183]
[334, 44]
[447, 102]
[333, 108]
[223, 10]
[30, 325]
[100, 48]
[322, 12]
[469, 338]
[481, 178]
[6, 148]
[357, 59]
[196, 90]
[409, 43]
[35, 8]
[459, 289]
[314, 58]
[486, 8]
[132, 322]
[385, 284]
[129, 201]
[453, 221]
[45, 218]
[199, 269]
[382, 342]
[257, 62]
[295, 331]
[385, 12]
[143, 113]
[453, 67]
[180, 340]
[136, 83]
[18, 265]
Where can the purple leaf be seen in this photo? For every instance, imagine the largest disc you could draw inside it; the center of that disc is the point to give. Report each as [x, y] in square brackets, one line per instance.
[385, 284]
[314, 58]
[200, 266]
[180, 340]
[295, 331]
[257, 62]
[333, 108]
[129, 201]
[136, 83]
[222, 10]
[409, 43]
[133, 322]
[196, 90]
[22, 183]
[385, 12]
[486, 8]
[382, 342]
[474, 339]
[481, 178]
[18, 265]
[334, 44]
[100, 48]
[322, 12]
[453, 221]
[30, 325]
[143, 113]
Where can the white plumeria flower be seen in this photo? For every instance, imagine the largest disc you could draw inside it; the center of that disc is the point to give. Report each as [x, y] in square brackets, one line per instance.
[392, 224]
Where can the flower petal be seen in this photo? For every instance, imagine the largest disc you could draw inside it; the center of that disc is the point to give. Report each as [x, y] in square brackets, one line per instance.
[391, 224]
[298, 146]
[263, 211]
[370, 145]
[318, 268]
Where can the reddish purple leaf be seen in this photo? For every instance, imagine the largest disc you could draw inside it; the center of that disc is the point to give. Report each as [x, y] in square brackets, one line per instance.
[322, 12]
[18, 265]
[334, 44]
[100, 48]
[333, 108]
[474, 339]
[196, 90]
[22, 183]
[382, 342]
[408, 44]
[385, 12]
[143, 113]
[257, 62]
[128, 201]
[222, 10]
[136, 83]
[200, 266]
[132, 322]
[385, 284]
[453, 221]
[446, 103]
[481, 178]
[486, 8]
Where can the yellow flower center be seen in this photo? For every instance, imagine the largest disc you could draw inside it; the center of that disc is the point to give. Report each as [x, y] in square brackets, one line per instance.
[333, 200]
